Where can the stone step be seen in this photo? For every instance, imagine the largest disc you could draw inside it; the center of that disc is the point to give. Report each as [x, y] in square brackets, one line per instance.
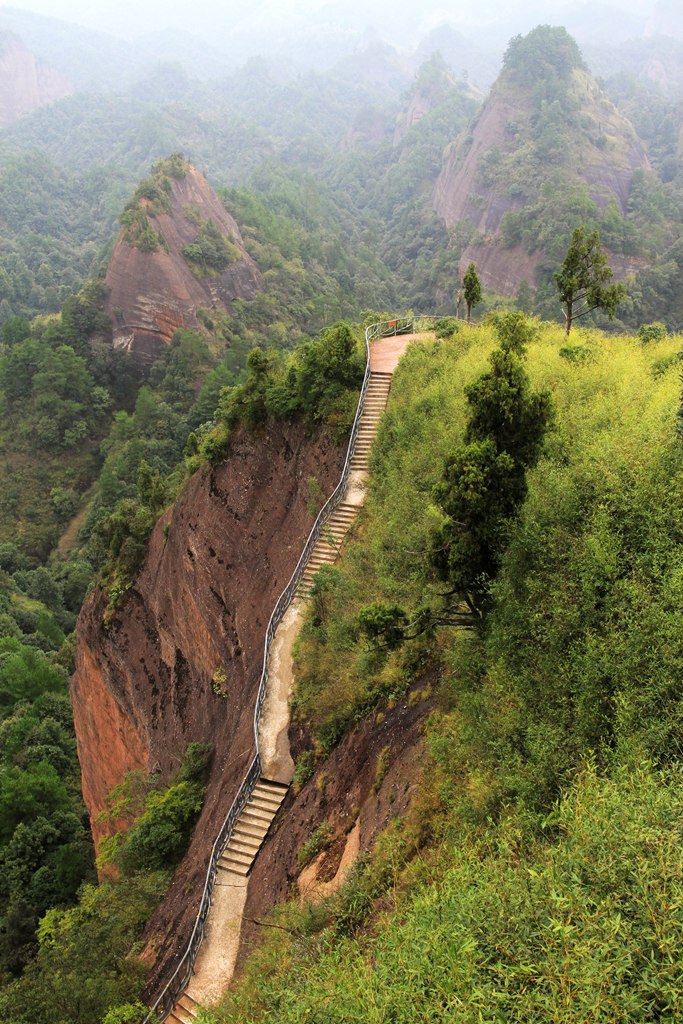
[255, 814]
[265, 803]
[265, 793]
[252, 831]
[240, 846]
[174, 1018]
[236, 869]
[268, 783]
[183, 1014]
[188, 1003]
[230, 856]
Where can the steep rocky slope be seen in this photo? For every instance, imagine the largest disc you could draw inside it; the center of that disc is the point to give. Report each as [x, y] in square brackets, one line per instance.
[143, 687]
[545, 133]
[25, 82]
[153, 288]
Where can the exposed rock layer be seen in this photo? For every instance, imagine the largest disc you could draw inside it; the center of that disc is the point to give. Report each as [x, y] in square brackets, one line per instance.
[152, 294]
[25, 83]
[143, 690]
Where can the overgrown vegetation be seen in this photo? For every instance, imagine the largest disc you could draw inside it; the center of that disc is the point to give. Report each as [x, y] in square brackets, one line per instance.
[553, 782]
[502, 924]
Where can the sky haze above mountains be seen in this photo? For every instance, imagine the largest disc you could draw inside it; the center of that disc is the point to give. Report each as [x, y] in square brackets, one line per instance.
[242, 24]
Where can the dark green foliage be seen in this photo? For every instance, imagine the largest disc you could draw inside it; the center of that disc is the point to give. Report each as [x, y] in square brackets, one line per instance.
[648, 333]
[210, 251]
[484, 481]
[471, 289]
[446, 326]
[383, 624]
[45, 847]
[318, 382]
[583, 282]
[158, 836]
[545, 54]
[575, 353]
[479, 493]
[83, 966]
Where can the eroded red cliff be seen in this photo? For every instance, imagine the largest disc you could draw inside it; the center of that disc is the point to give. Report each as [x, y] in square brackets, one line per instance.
[216, 563]
[25, 83]
[150, 294]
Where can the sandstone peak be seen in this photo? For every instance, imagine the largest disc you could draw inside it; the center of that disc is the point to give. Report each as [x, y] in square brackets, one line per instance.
[179, 252]
[25, 82]
[546, 128]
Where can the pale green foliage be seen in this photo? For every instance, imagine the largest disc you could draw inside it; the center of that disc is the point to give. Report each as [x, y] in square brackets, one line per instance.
[583, 925]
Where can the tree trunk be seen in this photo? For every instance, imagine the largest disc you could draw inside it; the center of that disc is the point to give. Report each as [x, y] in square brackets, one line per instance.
[469, 310]
[568, 319]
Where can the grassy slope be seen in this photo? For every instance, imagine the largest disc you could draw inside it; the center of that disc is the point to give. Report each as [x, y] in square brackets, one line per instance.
[528, 908]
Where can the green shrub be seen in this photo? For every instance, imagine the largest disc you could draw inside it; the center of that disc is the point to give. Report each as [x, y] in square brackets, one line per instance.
[648, 333]
[447, 326]
[304, 769]
[163, 820]
[315, 844]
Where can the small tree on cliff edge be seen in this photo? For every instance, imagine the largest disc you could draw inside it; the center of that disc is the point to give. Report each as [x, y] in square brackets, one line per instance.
[583, 281]
[471, 288]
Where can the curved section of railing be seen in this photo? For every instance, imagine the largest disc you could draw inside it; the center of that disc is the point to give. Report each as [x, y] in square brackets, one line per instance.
[183, 972]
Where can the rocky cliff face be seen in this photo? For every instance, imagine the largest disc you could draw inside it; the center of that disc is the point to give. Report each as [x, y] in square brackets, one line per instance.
[25, 83]
[516, 151]
[142, 690]
[153, 292]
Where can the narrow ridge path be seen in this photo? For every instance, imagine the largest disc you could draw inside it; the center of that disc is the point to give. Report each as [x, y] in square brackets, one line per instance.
[217, 956]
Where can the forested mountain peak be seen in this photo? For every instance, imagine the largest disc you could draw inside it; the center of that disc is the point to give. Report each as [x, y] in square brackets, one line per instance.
[433, 84]
[180, 252]
[546, 139]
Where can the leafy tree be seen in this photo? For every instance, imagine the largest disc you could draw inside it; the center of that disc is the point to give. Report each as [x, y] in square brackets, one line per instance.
[471, 289]
[583, 282]
[384, 623]
[484, 481]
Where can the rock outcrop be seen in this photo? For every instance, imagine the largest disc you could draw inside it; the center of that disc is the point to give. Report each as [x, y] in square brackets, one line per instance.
[152, 290]
[144, 685]
[25, 82]
[532, 141]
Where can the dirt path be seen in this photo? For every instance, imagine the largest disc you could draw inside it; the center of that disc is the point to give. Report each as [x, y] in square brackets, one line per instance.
[218, 952]
[276, 760]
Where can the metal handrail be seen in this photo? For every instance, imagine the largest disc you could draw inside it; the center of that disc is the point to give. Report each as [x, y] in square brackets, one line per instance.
[183, 972]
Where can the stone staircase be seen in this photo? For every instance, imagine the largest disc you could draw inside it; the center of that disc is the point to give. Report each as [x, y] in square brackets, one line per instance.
[376, 398]
[184, 1011]
[328, 546]
[251, 827]
[259, 812]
